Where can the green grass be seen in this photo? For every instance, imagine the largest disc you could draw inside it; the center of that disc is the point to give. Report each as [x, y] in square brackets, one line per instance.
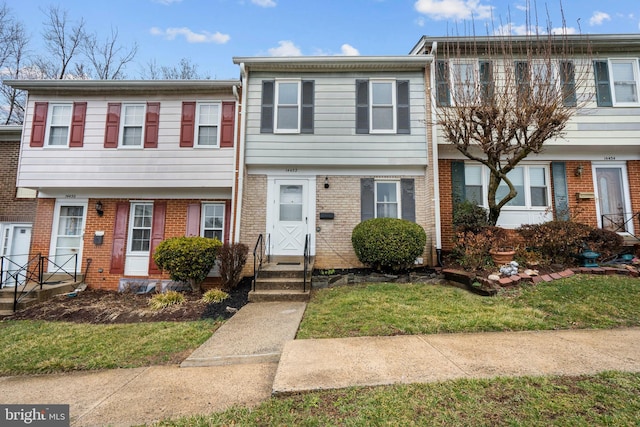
[34, 347]
[581, 301]
[611, 398]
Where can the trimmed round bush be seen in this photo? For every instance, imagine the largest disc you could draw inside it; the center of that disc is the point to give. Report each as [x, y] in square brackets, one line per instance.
[388, 244]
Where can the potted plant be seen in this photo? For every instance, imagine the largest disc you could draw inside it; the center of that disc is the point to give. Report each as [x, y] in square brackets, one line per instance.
[502, 248]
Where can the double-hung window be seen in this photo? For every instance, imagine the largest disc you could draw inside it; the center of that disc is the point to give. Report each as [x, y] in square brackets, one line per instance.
[383, 106]
[287, 106]
[132, 125]
[463, 82]
[208, 116]
[287, 112]
[141, 220]
[624, 78]
[387, 199]
[213, 221]
[59, 123]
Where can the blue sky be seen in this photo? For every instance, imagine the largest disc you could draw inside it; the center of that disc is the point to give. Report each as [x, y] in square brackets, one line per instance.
[211, 32]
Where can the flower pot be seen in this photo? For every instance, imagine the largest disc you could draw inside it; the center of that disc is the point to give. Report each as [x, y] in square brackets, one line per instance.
[501, 257]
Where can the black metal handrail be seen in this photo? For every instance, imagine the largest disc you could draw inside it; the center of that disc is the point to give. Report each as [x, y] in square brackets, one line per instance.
[33, 272]
[620, 221]
[258, 256]
[307, 251]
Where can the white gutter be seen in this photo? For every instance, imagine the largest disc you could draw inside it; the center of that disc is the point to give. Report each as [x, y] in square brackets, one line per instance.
[242, 114]
[434, 158]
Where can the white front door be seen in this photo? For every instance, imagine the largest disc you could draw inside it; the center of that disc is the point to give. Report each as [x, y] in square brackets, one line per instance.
[139, 241]
[614, 210]
[67, 236]
[291, 219]
[16, 250]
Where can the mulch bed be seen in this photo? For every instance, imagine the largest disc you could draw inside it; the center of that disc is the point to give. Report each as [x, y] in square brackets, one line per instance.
[108, 307]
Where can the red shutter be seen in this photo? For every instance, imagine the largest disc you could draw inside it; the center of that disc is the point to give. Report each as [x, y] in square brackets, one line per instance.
[187, 126]
[227, 221]
[151, 125]
[157, 233]
[228, 120]
[77, 124]
[39, 124]
[193, 220]
[112, 127]
[119, 238]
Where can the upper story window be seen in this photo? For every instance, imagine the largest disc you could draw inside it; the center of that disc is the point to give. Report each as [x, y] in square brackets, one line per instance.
[545, 79]
[132, 125]
[463, 82]
[617, 82]
[208, 117]
[213, 220]
[59, 122]
[382, 106]
[287, 106]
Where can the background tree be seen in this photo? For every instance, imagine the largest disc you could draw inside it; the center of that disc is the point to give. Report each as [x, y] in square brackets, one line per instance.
[501, 98]
[64, 40]
[107, 57]
[185, 70]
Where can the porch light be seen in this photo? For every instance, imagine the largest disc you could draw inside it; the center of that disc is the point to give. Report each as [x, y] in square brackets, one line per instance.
[326, 182]
[99, 209]
[579, 171]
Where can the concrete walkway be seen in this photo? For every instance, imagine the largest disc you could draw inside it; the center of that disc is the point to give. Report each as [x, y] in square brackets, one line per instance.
[239, 365]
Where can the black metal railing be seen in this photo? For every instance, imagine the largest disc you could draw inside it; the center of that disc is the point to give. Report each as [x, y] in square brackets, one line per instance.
[307, 258]
[33, 273]
[619, 222]
[260, 250]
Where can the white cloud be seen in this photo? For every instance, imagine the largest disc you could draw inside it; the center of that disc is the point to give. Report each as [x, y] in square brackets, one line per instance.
[264, 3]
[420, 22]
[190, 36]
[453, 9]
[285, 48]
[348, 50]
[523, 30]
[598, 18]
[564, 30]
[167, 2]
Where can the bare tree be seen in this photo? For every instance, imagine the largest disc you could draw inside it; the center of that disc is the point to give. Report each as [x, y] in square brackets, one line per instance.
[517, 94]
[13, 46]
[107, 58]
[63, 40]
[185, 70]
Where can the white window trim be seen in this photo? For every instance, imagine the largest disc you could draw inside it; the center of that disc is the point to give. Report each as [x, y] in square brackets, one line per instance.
[526, 183]
[636, 76]
[218, 124]
[276, 105]
[398, 196]
[132, 205]
[394, 106]
[121, 131]
[452, 78]
[202, 217]
[48, 128]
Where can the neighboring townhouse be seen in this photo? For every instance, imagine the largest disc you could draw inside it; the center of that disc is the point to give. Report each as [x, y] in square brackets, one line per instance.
[591, 174]
[121, 165]
[330, 142]
[17, 207]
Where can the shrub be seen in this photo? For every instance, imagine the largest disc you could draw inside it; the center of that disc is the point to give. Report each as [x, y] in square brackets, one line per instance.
[388, 244]
[214, 295]
[160, 301]
[467, 216]
[605, 242]
[187, 259]
[557, 241]
[471, 249]
[232, 258]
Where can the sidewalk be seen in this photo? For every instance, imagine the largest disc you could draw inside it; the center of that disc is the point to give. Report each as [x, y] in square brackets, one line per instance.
[239, 365]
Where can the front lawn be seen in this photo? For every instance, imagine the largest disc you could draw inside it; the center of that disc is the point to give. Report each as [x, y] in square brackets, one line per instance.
[581, 301]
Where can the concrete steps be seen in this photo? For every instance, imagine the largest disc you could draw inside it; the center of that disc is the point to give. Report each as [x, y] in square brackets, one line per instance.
[35, 294]
[282, 279]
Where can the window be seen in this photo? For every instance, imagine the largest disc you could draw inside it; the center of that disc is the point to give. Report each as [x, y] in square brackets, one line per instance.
[382, 106]
[213, 220]
[132, 125]
[466, 83]
[616, 82]
[387, 201]
[141, 220]
[383, 118]
[59, 123]
[464, 80]
[287, 106]
[208, 124]
[529, 181]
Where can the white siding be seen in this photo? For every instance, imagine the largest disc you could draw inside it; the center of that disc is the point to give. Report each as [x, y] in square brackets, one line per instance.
[93, 166]
[334, 141]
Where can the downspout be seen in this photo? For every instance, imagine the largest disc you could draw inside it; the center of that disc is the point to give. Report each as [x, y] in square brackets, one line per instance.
[434, 160]
[234, 190]
[239, 169]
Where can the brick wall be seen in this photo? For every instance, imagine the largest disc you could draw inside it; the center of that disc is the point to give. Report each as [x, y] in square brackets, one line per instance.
[446, 204]
[253, 220]
[581, 210]
[633, 170]
[12, 209]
